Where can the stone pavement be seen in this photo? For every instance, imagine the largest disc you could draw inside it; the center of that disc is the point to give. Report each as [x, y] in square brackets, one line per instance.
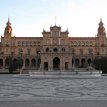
[72, 92]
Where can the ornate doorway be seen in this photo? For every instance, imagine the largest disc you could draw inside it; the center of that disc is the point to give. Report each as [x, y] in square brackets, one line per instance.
[56, 63]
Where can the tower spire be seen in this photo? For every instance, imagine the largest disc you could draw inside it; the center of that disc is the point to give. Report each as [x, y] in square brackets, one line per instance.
[8, 28]
[55, 20]
[8, 22]
[101, 28]
[100, 19]
[8, 19]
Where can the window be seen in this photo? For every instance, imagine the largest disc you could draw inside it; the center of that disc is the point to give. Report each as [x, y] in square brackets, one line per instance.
[38, 51]
[20, 51]
[81, 51]
[90, 51]
[23, 43]
[7, 43]
[83, 44]
[27, 43]
[30, 43]
[55, 34]
[34, 43]
[75, 43]
[47, 49]
[91, 43]
[28, 51]
[19, 43]
[73, 51]
[87, 43]
[79, 43]
[63, 49]
[55, 49]
[72, 43]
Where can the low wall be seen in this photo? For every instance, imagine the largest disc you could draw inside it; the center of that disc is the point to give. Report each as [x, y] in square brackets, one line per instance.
[94, 72]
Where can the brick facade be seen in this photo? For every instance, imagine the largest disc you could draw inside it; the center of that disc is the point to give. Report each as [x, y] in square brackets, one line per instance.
[54, 51]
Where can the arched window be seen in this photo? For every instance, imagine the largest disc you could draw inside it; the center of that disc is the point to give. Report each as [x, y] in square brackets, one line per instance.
[89, 62]
[73, 51]
[83, 44]
[1, 62]
[81, 51]
[23, 43]
[63, 49]
[79, 43]
[27, 63]
[91, 43]
[20, 51]
[19, 43]
[47, 49]
[28, 51]
[33, 63]
[55, 50]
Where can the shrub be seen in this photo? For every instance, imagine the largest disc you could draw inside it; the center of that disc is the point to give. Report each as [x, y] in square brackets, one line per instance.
[100, 63]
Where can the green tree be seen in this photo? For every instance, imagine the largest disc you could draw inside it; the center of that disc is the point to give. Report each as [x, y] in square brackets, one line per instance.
[100, 63]
[11, 67]
[20, 62]
[15, 65]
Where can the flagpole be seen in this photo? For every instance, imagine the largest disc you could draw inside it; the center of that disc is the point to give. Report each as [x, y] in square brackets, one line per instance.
[55, 20]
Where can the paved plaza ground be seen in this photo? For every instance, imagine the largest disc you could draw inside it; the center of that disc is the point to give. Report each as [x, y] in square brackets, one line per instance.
[77, 91]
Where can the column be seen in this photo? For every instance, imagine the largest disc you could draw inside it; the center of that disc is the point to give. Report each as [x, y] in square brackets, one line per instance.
[36, 63]
[70, 63]
[62, 68]
[23, 63]
[4, 63]
[29, 63]
[50, 62]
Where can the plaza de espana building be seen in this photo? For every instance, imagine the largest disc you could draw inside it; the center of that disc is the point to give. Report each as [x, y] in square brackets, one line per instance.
[56, 50]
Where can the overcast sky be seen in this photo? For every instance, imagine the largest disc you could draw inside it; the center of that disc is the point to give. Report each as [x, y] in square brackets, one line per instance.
[29, 17]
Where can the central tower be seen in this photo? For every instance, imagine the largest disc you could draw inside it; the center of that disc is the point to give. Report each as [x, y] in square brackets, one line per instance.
[55, 53]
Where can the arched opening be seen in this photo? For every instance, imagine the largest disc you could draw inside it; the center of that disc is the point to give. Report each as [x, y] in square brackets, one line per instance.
[38, 63]
[89, 62]
[55, 50]
[47, 49]
[1, 62]
[56, 63]
[45, 65]
[72, 62]
[14, 60]
[77, 62]
[27, 63]
[15, 63]
[82, 63]
[63, 49]
[66, 65]
[7, 62]
[33, 63]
